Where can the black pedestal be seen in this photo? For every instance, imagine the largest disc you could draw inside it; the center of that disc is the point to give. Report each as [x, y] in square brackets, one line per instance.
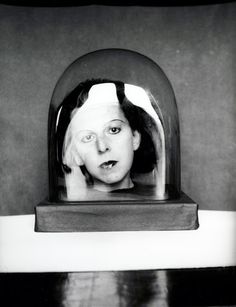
[179, 214]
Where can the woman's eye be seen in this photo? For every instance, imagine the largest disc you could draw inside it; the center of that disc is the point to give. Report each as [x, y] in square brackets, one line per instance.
[88, 138]
[114, 130]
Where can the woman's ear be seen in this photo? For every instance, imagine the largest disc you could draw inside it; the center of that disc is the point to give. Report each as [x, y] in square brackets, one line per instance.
[136, 139]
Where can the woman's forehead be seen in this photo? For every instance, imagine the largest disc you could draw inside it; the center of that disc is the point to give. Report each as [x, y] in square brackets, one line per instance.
[96, 117]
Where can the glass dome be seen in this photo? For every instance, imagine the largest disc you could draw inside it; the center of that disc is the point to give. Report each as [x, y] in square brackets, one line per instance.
[113, 131]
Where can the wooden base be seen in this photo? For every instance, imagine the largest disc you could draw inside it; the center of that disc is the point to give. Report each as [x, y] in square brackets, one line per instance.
[179, 214]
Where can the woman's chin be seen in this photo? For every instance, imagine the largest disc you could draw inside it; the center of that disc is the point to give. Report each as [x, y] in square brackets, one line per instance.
[117, 185]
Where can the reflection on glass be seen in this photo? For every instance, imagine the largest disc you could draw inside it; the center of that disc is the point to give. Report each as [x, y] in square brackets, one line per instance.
[116, 289]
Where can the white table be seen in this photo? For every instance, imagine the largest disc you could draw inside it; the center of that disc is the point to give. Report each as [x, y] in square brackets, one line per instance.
[23, 250]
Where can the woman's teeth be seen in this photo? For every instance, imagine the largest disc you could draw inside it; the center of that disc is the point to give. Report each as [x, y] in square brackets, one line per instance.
[108, 164]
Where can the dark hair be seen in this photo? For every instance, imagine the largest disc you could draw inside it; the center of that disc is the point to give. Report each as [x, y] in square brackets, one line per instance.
[145, 157]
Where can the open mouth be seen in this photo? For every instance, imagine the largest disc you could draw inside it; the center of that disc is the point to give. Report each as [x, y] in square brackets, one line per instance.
[108, 164]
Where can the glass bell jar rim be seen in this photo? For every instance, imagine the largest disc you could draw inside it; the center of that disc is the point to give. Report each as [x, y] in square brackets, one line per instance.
[72, 67]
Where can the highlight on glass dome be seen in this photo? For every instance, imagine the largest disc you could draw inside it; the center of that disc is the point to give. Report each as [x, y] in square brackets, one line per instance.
[113, 130]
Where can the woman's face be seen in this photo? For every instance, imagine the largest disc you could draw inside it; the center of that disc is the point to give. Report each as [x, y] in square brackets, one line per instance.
[105, 144]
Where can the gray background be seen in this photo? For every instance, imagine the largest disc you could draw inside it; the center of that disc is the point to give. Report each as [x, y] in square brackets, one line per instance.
[195, 46]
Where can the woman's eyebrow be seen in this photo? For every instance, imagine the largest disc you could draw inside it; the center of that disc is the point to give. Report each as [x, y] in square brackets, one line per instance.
[117, 119]
[84, 131]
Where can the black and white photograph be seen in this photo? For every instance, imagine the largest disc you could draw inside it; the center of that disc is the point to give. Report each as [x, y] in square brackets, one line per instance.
[118, 151]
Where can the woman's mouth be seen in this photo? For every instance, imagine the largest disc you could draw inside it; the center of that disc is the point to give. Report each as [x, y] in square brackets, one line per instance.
[108, 164]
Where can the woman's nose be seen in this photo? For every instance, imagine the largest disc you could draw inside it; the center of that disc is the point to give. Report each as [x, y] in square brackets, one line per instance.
[102, 145]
